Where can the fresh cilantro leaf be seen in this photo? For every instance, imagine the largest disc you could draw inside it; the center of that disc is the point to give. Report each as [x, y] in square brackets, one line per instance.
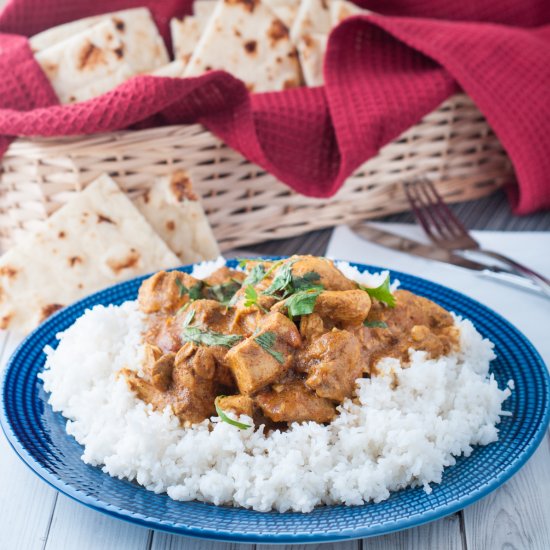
[382, 293]
[183, 308]
[188, 318]
[303, 302]
[225, 418]
[209, 338]
[252, 298]
[375, 324]
[266, 340]
[194, 292]
[243, 261]
[306, 281]
[257, 273]
[182, 288]
[282, 282]
[224, 291]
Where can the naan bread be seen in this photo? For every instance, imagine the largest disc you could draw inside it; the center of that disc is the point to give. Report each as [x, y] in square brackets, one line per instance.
[175, 212]
[176, 69]
[53, 35]
[312, 50]
[285, 10]
[97, 239]
[246, 39]
[341, 9]
[313, 17]
[101, 57]
[185, 36]
[203, 9]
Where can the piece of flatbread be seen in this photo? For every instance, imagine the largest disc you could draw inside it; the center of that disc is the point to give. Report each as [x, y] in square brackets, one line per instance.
[285, 10]
[53, 35]
[185, 36]
[313, 17]
[203, 9]
[246, 39]
[341, 9]
[175, 212]
[176, 69]
[96, 239]
[101, 57]
[312, 48]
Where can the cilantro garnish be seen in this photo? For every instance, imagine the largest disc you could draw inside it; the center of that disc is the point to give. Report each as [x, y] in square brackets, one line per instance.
[224, 292]
[303, 302]
[306, 281]
[375, 324]
[194, 292]
[257, 273]
[251, 298]
[207, 337]
[381, 293]
[282, 281]
[225, 418]
[266, 340]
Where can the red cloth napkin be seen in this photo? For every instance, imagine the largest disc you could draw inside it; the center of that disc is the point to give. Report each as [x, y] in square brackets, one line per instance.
[382, 73]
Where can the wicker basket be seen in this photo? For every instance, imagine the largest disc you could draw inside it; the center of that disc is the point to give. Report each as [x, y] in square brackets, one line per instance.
[454, 145]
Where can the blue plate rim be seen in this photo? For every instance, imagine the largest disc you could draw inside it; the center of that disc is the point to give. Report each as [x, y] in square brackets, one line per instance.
[286, 538]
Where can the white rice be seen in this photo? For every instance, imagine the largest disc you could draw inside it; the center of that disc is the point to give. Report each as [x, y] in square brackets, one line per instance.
[403, 429]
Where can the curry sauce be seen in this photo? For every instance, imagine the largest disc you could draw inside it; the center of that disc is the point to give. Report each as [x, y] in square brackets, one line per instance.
[281, 342]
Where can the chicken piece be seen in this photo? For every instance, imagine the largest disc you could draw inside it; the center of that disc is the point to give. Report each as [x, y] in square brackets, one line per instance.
[347, 306]
[223, 284]
[311, 327]
[152, 353]
[255, 365]
[162, 332]
[329, 276]
[334, 363]
[239, 404]
[166, 291]
[207, 313]
[414, 322]
[161, 371]
[191, 402]
[294, 402]
[223, 275]
[200, 359]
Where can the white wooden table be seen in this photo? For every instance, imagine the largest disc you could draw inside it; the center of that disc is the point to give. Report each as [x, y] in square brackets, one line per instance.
[34, 516]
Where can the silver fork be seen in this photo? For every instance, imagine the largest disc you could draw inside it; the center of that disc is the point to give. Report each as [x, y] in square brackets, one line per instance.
[446, 231]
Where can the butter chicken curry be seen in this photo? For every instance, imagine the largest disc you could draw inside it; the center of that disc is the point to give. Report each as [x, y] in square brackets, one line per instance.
[282, 342]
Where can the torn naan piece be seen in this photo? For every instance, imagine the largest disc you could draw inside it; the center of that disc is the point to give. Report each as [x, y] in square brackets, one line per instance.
[313, 17]
[312, 49]
[53, 35]
[341, 9]
[202, 10]
[97, 239]
[246, 39]
[103, 56]
[174, 210]
[285, 10]
[176, 69]
[185, 36]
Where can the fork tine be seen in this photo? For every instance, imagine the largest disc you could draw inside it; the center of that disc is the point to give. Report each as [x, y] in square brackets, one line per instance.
[453, 223]
[439, 212]
[430, 208]
[420, 213]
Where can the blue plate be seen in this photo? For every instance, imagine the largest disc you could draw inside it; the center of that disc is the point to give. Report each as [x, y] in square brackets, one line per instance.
[38, 436]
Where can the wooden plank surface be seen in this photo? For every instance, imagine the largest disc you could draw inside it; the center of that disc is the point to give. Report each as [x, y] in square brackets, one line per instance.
[75, 526]
[26, 502]
[517, 515]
